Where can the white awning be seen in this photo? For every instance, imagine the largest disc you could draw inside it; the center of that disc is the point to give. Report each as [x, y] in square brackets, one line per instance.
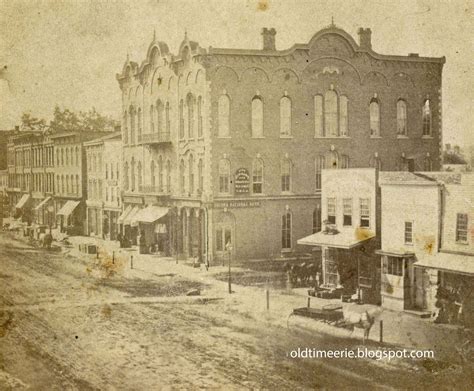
[124, 214]
[23, 200]
[129, 219]
[345, 239]
[68, 208]
[151, 214]
[43, 203]
[455, 263]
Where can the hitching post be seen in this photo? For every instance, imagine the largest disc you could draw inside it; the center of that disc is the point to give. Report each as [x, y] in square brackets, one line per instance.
[381, 331]
[228, 247]
[113, 257]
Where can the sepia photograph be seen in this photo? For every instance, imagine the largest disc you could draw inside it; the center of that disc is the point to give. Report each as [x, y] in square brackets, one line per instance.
[236, 195]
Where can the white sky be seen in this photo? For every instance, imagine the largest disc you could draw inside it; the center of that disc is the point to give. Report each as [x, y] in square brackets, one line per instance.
[68, 52]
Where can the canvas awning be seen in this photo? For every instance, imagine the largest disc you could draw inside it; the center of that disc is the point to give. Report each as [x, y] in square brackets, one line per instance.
[449, 262]
[345, 239]
[68, 208]
[23, 200]
[124, 214]
[129, 219]
[43, 203]
[150, 214]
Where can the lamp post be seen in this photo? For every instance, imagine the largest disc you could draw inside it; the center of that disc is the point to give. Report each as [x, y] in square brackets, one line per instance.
[228, 248]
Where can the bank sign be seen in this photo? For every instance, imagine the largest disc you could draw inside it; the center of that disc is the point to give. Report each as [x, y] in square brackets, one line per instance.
[242, 181]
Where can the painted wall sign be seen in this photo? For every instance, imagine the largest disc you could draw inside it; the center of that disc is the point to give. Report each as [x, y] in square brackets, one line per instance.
[242, 181]
[237, 204]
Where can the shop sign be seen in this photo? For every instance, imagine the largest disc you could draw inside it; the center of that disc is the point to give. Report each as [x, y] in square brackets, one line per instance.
[242, 181]
[132, 200]
[237, 204]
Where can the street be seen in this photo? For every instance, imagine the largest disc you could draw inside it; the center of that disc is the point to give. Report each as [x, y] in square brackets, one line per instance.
[67, 324]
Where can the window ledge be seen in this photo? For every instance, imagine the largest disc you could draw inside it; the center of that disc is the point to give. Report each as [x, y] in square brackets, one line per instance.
[287, 193]
[463, 243]
[375, 137]
[224, 137]
[258, 137]
[409, 244]
[286, 250]
[259, 194]
[427, 137]
[333, 137]
[224, 194]
[402, 136]
[285, 136]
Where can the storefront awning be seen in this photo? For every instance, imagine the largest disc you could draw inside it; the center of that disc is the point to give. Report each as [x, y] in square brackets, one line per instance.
[151, 214]
[68, 208]
[42, 203]
[345, 239]
[394, 253]
[130, 218]
[23, 200]
[124, 214]
[454, 263]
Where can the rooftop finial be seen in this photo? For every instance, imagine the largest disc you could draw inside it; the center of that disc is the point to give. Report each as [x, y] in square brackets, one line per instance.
[185, 34]
[332, 21]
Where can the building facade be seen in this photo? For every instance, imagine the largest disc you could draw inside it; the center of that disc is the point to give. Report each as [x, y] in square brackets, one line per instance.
[232, 141]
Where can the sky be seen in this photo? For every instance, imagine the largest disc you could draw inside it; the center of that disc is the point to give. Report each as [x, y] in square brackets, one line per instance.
[68, 53]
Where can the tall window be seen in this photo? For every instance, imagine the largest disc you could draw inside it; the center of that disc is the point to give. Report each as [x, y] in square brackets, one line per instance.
[67, 156]
[375, 162]
[224, 176]
[181, 176]
[132, 125]
[191, 174]
[461, 227]
[320, 163]
[257, 117]
[344, 161]
[159, 117]
[190, 105]
[181, 119]
[331, 207]
[200, 177]
[139, 176]
[168, 176]
[78, 188]
[125, 128]
[139, 124]
[167, 114]
[330, 113]
[286, 175]
[426, 115]
[317, 219]
[224, 116]
[347, 211]
[374, 110]
[318, 116]
[408, 232]
[343, 104]
[286, 231]
[152, 174]
[199, 115]
[401, 118]
[427, 164]
[152, 119]
[160, 174]
[67, 184]
[364, 212]
[132, 174]
[285, 116]
[257, 176]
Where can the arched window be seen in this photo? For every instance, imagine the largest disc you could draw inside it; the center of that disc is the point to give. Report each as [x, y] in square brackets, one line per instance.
[285, 175]
[257, 176]
[318, 116]
[427, 164]
[190, 106]
[343, 104]
[257, 117]
[181, 120]
[286, 231]
[152, 119]
[333, 160]
[199, 113]
[152, 172]
[139, 176]
[126, 182]
[317, 219]
[125, 128]
[167, 117]
[139, 125]
[330, 114]
[68, 190]
[401, 118]
[285, 116]
[426, 115]
[224, 116]
[191, 174]
[200, 177]
[160, 174]
[374, 110]
[344, 161]
[58, 183]
[132, 125]
[375, 162]
[168, 176]
[132, 174]
[320, 163]
[77, 156]
[181, 177]
[224, 176]
[67, 156]
[78, 188]
[73, 185]
[160, 125]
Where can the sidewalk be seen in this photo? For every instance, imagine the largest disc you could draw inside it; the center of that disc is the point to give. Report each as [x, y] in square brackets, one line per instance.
[399, 329]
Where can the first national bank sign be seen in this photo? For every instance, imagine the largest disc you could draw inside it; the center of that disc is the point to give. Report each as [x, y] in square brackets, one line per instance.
[242, 181]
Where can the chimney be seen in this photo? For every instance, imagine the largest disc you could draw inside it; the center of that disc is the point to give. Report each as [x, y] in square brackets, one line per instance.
[268, 38]
[365, 38]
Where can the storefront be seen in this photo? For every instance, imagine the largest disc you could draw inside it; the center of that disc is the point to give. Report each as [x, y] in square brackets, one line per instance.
[70, 218]
[23, 209]
[94, 220]
[45, 212]
[131, 226]
[154, 228]
[110, 223]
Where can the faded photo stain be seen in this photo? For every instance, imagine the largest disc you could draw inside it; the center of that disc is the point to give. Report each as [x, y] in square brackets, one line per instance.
[263, 5]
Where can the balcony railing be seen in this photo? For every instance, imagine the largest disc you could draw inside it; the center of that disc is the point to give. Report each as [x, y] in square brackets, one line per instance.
[151, 189]
[156, 138]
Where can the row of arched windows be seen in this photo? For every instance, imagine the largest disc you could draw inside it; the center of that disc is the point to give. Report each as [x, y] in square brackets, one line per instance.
[43, 182]
[66, 156]
[42, 156]
[190, 173]
[160, 176]
[94, 189]
[330, 116]
[68, 184]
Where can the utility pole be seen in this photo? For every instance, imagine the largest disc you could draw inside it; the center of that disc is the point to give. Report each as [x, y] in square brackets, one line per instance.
[228, 247]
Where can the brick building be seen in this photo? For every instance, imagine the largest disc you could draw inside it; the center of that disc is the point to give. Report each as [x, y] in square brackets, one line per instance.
[231, 142]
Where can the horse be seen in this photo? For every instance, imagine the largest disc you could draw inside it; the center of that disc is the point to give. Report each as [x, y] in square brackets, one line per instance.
[45, 240]
[362, 320]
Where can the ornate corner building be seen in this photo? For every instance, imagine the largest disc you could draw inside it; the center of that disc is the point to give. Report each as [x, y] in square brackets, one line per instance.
[225, 147]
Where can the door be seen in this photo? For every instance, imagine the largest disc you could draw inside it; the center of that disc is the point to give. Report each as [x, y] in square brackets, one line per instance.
[407, 291]
[224, 240]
